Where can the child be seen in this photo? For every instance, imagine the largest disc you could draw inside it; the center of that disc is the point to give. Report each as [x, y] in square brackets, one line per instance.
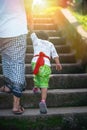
[43, 51]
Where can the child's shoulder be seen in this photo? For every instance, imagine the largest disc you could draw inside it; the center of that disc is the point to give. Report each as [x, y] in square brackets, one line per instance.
[48, 43]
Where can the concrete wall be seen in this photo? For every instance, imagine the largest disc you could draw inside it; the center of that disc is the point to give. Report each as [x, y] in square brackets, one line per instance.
[76, 36]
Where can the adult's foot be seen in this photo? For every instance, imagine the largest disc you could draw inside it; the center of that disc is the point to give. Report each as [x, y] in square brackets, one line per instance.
[18, 111]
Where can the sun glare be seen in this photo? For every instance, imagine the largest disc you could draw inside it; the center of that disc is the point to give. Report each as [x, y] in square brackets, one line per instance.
[39, 6]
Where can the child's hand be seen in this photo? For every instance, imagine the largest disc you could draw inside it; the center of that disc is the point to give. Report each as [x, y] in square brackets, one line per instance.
[58, 66]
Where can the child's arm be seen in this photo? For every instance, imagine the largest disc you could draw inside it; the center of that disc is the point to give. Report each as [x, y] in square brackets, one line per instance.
[55, 56]
[58, 64]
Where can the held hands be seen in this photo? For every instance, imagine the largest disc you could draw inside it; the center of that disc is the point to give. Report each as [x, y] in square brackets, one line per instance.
[58, 67]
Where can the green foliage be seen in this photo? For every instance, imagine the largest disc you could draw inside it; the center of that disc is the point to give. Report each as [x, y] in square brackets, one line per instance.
[82, 19]
[67, 122]
[39, 123]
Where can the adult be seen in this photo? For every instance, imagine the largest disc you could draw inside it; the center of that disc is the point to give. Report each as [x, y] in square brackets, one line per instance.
[13, 30]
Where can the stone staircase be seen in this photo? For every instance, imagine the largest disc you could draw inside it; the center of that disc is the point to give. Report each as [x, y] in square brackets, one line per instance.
[67, 94]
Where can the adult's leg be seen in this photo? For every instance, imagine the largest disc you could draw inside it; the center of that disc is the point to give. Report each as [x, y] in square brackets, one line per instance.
[13, 58]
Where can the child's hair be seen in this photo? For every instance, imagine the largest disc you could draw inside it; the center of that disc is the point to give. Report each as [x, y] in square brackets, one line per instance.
[42, 35]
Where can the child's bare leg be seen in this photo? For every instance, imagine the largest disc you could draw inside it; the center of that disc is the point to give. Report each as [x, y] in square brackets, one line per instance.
[43, 94]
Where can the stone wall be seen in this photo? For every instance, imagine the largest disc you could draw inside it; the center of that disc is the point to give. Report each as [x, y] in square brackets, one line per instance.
[76, 36]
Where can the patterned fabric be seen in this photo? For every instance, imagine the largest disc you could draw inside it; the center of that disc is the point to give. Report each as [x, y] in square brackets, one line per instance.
[41, 80]
[13, 58]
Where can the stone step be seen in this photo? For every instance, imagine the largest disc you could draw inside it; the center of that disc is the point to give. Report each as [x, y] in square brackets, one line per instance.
[55, 98]
[66, 118]
[30, 113]
[51, 33]
[64, 81]
[58, 40]
[54, 111]
[45, 26]
[59, 48]
[59, 81]
[67, 68]
[54, 40]
[64, 58]
[43, 15]
[43, 20]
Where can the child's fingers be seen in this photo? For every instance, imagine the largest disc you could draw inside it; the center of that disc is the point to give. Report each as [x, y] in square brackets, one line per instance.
[58, 67]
